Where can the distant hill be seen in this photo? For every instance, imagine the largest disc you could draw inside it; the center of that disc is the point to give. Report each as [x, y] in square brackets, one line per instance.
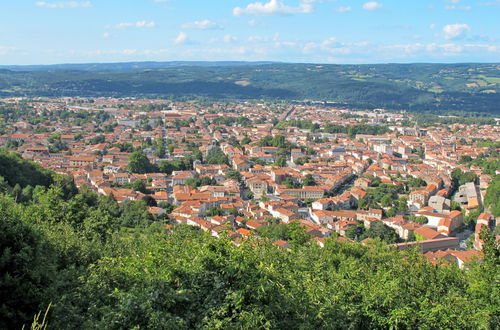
[125, 66]
[437, 88]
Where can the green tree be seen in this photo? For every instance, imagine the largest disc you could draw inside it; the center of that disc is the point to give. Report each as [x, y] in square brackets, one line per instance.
[139, 163]
[27, 267]
[308, 180]
[280, 161]
[380, 230]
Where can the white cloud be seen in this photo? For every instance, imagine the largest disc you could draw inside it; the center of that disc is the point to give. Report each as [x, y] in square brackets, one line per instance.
[343, 9]
[257, 39]
[141, 24]
[453, 7]
[129, 51]
[4, 50]
[432, 26]
[181, 38]
[106, 35]
[372, 5]
[62, 4]
[138, 24]
[495, 3]
[202, 25]
[275, 7]
[229, 38]
[455, 31]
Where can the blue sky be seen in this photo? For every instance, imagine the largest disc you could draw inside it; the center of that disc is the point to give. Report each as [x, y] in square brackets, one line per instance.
[319, 31]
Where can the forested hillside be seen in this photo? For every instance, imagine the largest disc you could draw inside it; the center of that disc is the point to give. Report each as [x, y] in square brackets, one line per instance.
[436, 88]
[102, 265]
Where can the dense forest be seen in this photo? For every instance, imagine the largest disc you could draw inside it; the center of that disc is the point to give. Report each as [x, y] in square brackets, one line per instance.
[434, 88]
[100, 265]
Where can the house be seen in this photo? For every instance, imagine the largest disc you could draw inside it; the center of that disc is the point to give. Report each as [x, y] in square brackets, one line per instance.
[434, 217]
[358, 194]
[344, 215]
[258, 187]
[483, 221]
[180, 177]
[158, 211]
[244, 232]
[460, 258]
[81, 161]
[485, 218]
[322, 204]
[309, 192]
[255, 224]
[240, 163]
[362, 183]
[321, 216]
[467, 196]
[419, 197]
[266, 158]
[439, 203]
[282, 244]
[284, 214]
[402, 227]
[425, 233]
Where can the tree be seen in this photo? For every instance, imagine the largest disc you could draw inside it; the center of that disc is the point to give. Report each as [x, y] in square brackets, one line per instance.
[160, 150]
[27, 267]
[280, 162]
[416, 182]
[460, 178]
[138, 185]
[355, 232]
[391, 212]
[298, 235]
[216, 156]
[386, 200]
[233, 174]
[492, 198]
[417, 219]
[465, 159]
[214, 211]
[135, 214]
[245, 140]
[308, 180]
[97, 139]
[291, 183]
[139, 163]
[380, 230]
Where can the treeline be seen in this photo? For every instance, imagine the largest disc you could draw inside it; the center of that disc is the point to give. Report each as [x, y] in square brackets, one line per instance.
[356, 129]
[18, 171]
[454, 117]
[492, 198]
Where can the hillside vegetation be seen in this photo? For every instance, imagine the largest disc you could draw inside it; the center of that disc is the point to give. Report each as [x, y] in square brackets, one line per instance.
[436, 88]
[107, 266]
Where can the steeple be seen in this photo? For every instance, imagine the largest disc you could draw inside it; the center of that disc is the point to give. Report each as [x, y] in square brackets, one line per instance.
[416, 128]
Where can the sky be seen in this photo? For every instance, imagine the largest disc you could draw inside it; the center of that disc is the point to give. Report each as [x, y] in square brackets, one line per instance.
[307, 31]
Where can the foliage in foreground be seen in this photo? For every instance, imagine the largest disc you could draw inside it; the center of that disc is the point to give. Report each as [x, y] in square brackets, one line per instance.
[102, 265]
[191, 279]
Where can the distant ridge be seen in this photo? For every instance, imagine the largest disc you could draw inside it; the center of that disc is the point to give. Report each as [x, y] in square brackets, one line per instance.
[127, 66]
[462, 88]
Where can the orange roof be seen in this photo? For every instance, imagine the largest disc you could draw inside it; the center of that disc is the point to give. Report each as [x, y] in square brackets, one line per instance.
[244, 232]
[427, 232]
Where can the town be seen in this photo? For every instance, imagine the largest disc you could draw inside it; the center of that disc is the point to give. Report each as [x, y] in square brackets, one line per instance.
[258, 169]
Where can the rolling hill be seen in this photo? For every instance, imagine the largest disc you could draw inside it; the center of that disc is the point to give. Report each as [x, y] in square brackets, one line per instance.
[436, 88]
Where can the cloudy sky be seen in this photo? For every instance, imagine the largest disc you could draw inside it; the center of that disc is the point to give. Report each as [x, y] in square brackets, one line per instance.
[319, 31]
